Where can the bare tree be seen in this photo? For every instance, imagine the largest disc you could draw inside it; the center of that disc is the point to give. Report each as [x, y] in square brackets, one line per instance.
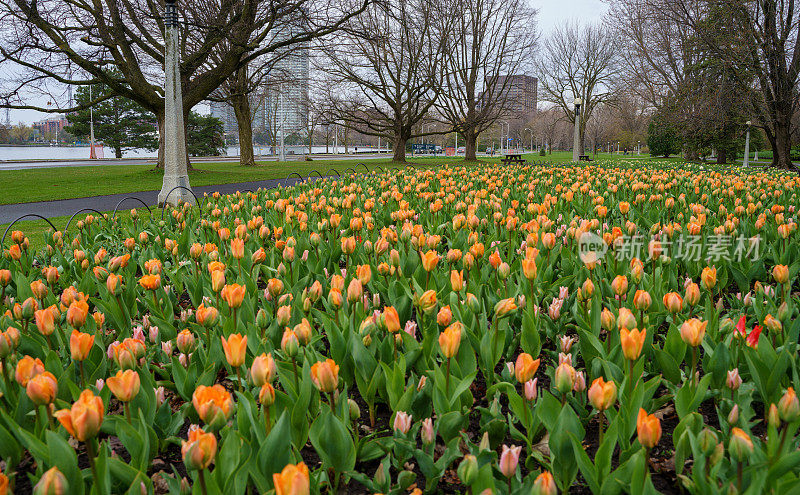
[386, 62]
[655, 49]
[579, 62]
[488, 40]
[761, 38]
[120, 43]
[546, 124]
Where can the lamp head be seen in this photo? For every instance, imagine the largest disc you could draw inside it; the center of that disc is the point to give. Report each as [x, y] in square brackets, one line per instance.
[749, 122]
[578, 102]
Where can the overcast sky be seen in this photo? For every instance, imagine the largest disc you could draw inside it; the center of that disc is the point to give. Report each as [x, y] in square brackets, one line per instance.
[551, 13]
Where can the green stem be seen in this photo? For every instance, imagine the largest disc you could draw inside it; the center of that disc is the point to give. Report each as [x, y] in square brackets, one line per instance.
[91, 453]
[202, 477]
[296, 380]
[739, 476]
[600, 420]
[127, 408]
[447, 379]
[268, 419]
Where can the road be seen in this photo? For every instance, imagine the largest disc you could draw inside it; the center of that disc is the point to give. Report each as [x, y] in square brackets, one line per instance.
[31, 164]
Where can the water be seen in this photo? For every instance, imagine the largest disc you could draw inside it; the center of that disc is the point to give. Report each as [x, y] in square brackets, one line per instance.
[14, 153]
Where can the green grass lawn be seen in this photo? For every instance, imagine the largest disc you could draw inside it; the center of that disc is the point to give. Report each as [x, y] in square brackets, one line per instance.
[46, 184]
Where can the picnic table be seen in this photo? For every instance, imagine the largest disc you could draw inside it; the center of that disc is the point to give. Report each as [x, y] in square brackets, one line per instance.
[513, 159]
[584, 158]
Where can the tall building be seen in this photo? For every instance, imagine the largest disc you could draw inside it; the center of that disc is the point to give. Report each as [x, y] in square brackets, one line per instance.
[282, 99]
[287, 91]
[521, 92]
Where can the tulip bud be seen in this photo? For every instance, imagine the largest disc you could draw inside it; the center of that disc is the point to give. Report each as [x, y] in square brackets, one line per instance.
[564, 378]
[468, 470]
[773, 416]
[544, 485]
[52, 482]
[733, 381]
[789, 406]
[733, 415]
[426, 432]
[708, 441]
[266, 396]
[353, 409]
[740, 445]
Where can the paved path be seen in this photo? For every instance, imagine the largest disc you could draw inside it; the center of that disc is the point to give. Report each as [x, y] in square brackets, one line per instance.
[63, 207]
[29, 164]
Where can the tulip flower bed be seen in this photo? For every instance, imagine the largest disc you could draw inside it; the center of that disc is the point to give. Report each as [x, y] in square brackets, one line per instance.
[538, 329]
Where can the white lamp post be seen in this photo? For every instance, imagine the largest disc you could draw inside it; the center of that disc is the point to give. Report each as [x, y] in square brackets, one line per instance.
[175, 161]
[576, 142]
[747, 145]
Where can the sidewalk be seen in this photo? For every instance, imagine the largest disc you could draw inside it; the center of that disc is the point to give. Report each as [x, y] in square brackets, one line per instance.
[48, 209]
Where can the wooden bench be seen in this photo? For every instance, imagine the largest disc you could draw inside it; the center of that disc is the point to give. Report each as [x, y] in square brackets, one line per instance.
[584, 158]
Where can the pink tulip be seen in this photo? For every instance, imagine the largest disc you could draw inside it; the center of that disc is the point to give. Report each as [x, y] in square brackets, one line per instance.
[530, 389]
[509, 459]
[153, 334]
[427, 431]
[100, 383]
[402, 422]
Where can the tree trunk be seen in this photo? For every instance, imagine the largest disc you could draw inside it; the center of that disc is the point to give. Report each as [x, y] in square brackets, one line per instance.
[241, 109]
[782, 150]
[399, 149]
[186, 136]
[117, 152]
[160, 119]
[470, 146]
[722, 156]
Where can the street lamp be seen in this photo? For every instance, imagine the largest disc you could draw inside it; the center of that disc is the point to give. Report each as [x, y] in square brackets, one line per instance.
[531, 131]
[175, 188]
[747, 145]
[576, 143]
[638, 147]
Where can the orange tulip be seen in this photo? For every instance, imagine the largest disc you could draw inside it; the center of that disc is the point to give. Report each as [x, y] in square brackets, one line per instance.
[206, 316]
[77, 312]
[325, 375]
[217, 280]
[693, 331]
[450, 340]
[620, 285]
[42, 388]
[504, 307]
[292, 480]
[235, 348]
[456, 280]
[113, 283]
[642, 300]
[45, 322]
[529, 268]
[692, 295]
[673, 302]
[275, 287]
[632, 342]
[124, 385]
[213, 404]
[391, 319]
[199, 450]
[444, 317]
[364, 274]
[27, 368]
[263, 370]
[39, 289]
[648, 428]
[430, 260]
[80, 344]
[233, 295]
[709, 277]
[525, 368]
[150, 282]
[237, 248]
[84, 418]
[427, 301]
[602, 394]
[780, 273]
